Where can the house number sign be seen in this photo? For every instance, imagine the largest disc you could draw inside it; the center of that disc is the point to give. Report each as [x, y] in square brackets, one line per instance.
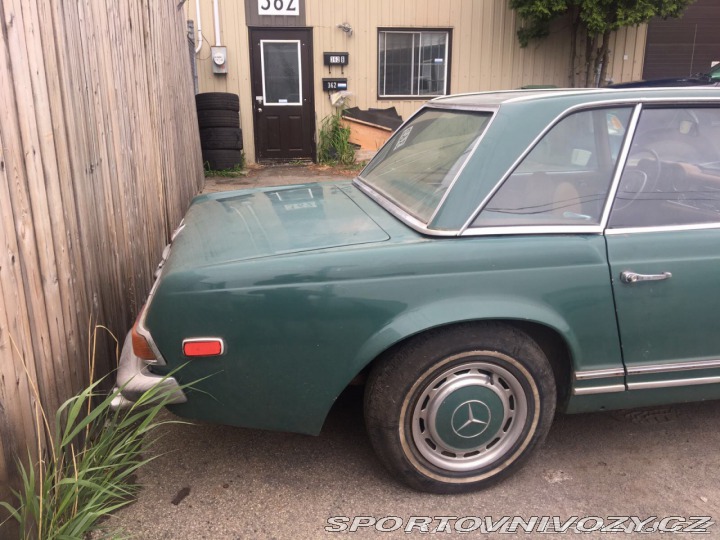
[279, 7]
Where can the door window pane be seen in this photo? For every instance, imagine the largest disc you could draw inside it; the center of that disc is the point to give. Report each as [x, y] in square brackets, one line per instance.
[412, 63]
[566, 178]
[672, 174]
[281, 72]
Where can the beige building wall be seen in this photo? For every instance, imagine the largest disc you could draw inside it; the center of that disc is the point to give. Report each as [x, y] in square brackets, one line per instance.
[485, 54]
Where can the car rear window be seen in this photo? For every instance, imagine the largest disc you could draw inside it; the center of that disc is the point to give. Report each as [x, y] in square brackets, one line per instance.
[418, 164]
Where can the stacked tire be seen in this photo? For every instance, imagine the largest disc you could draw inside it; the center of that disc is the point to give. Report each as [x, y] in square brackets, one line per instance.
[220, 134]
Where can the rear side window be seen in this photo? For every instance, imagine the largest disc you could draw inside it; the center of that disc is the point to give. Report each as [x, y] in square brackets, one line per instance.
[672, 174]
[418, 164]
[566, 177]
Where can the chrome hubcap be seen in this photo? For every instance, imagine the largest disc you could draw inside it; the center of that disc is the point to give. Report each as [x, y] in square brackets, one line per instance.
[469, 415]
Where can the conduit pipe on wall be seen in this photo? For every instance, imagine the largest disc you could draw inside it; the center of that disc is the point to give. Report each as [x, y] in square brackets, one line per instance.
[199, 27]
[216, 18]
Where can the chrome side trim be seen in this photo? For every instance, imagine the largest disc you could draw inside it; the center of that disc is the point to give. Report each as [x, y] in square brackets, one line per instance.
[398, 212]
[677, 366]
[195, 340]
[609, 389]
[648, 385]
[620, 165]
[599, 374]
[665, 228]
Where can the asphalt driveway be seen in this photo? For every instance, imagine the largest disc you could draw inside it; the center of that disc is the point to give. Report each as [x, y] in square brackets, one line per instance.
[220, 482]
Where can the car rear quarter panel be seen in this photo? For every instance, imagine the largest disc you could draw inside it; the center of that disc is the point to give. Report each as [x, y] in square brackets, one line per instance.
[298, 328]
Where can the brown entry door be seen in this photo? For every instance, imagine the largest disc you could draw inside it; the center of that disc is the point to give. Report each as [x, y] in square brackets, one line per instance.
[283, 105]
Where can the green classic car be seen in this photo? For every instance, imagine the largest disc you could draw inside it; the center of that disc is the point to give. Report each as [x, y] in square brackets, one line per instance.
[504, 257]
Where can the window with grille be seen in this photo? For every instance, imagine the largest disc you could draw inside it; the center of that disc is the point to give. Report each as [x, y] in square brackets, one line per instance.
[413, 63]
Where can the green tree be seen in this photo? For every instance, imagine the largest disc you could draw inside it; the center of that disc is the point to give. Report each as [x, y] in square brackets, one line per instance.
[590, 24]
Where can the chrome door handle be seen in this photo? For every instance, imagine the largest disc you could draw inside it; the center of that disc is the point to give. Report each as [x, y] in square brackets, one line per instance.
[632, 277]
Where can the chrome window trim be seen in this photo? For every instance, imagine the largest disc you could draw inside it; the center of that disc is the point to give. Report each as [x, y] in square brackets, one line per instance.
[663, 228]
[608, 389]
[677, 366]
[627, 144]
[620, 165]
[567, 112]
[599, 374]
[400, 212]
[408, 219]
[636, 102]
[533, 229]
[649, 385]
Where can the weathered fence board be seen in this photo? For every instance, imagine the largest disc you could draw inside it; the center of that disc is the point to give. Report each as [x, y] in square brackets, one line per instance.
[99, 158]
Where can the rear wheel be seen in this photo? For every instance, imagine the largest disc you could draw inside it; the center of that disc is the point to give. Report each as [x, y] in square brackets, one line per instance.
[458, 409]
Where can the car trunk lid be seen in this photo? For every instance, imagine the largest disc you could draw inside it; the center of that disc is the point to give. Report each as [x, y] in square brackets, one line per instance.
[250, 224]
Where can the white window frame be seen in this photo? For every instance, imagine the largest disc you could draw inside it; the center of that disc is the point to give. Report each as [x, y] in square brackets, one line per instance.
[415, 32]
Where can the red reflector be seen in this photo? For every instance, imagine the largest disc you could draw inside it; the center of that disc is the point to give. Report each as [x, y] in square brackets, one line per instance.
[203, 347]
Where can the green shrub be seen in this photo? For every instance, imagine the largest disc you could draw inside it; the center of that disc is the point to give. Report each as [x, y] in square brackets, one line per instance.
[335, 144]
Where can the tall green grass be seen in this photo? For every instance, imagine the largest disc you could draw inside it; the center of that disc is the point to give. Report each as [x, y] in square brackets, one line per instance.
[87, 468]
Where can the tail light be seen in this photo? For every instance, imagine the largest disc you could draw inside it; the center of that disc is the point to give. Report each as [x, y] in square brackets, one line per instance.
[141, 347]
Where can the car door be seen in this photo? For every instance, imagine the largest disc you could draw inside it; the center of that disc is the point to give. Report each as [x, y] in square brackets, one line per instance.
[663, 243]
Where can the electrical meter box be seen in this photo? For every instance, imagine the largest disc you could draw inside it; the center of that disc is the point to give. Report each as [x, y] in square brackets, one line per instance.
[219, 59]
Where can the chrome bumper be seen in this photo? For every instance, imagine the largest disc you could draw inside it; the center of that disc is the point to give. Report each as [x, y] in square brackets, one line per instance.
[134, 379]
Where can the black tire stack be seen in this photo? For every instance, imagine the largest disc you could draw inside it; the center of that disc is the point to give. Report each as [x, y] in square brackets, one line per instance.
[220, 134]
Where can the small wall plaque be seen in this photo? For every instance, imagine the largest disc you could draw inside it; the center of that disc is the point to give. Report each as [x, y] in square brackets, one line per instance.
[334, 85]
[335, 58]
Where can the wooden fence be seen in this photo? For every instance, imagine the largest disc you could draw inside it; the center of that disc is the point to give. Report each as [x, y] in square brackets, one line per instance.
[99, 158]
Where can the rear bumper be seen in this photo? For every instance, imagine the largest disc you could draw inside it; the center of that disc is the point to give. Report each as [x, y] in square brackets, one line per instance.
[134, 379]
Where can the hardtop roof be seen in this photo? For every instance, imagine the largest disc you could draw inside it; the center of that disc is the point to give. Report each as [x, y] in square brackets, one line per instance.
[494, 99]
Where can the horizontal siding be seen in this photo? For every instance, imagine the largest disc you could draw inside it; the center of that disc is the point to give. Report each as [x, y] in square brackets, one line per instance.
[485, 53]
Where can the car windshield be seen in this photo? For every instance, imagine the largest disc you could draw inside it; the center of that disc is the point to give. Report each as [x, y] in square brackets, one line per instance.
[417, 165]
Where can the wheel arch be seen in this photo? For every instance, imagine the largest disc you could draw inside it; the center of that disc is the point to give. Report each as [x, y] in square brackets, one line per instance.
[547, 328]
